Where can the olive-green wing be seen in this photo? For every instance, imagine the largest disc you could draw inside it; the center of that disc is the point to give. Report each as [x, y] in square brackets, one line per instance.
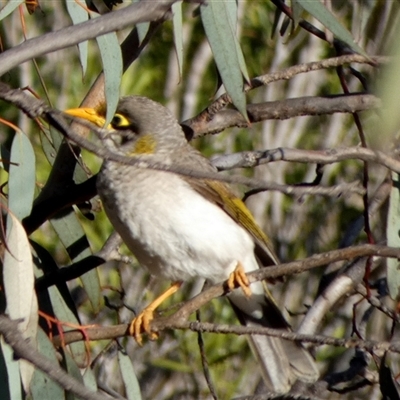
[219, 193]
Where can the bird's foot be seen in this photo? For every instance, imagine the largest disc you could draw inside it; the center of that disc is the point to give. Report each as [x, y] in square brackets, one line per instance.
[142, 322]
[238, 278]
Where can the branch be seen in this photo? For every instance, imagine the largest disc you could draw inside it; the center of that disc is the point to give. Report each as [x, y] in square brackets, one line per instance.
[286, 74]
[248, 159]
[143, 11]
[284, 109]
[22, 349]
[179, 318]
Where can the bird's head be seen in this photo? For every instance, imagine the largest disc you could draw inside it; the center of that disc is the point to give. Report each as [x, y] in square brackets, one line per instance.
[139, 126]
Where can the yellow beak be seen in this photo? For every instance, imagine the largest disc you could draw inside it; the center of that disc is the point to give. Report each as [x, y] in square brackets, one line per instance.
[89, 114]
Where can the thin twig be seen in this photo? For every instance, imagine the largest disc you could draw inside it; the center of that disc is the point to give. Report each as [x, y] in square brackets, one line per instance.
[295, 267]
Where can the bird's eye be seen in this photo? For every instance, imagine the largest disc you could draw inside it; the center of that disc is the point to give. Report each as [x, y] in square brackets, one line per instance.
[119, 121]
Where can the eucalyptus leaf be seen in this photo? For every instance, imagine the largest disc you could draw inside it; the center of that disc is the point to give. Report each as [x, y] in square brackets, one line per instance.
[22, 176]
[111, 58]
[43, 388]
[393, 238]
[14, 388]
[9, 8]
[216, 18]
[78, 14]
[132, 388]
[323, 15]
[74, 239]
[178, 34]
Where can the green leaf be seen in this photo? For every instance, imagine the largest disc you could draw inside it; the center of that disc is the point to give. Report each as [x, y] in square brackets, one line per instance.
[21, 179]
[42, 387]
[111, 57]
[18, 280]
[73, 370]
[132, 388]
[297, 9]
[216, 17]
[90, 379]
[232, 12]
[73, 238]
[78, 14]
[56, 300]
[4, 383]
[9, 8]
[142, 28]
[65, 314]
[14, 391]
[323, 15]
[393, 238]
[178, 38]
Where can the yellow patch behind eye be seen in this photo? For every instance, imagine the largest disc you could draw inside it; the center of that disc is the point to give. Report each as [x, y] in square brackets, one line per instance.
[144, 145]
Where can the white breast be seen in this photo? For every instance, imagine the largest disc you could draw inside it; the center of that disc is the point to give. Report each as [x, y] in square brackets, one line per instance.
[171, 229]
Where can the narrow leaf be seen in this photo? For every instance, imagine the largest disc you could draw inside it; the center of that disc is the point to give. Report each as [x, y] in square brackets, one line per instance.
[142, 28]
[90, 379]
[18, 279]
[73, 370]
[132, 388]
[297, 9]
[323, 15]
[9, 8]
[74, 240]
[393, 238]
[178, 34]
[21, 179]
[232, 11]
[111, 58]
[78, 14]
[14, 381]
[43, 388]
[217, 25]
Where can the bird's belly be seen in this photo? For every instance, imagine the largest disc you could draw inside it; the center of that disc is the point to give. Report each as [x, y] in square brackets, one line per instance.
[174, 232]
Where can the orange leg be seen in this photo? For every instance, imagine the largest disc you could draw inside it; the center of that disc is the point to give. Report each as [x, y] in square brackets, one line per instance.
[238, 278]
[142, 322]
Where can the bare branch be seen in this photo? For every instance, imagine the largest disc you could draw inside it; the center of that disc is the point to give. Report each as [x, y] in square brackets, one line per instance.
[329, 156]
[283, 109]
[180, 317]
[286, 74]
[143, 11]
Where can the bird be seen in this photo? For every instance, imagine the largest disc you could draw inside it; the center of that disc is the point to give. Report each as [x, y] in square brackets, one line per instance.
[180, 228]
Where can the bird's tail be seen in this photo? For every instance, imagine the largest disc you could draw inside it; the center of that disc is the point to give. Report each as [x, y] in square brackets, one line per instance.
[282, 361]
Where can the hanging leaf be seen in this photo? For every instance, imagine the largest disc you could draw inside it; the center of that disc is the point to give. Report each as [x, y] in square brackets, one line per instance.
[111, 58]
[393, 238]
[74, 239]
[9, 8]
[323, 15]
[43, 388]
[132, 388]
[18, 280]
[297, 9]
[142, 28]
[178, 38]
[9, 368]
[78, 14]
[216, 18]
[21, 179]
